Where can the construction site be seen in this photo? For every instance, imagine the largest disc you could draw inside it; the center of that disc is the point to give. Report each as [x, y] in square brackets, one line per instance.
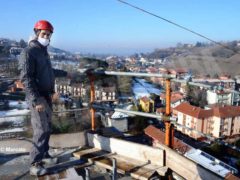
[175, 138]
[97, 154]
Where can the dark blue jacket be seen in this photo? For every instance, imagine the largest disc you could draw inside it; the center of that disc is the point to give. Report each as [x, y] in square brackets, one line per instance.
[37, 73]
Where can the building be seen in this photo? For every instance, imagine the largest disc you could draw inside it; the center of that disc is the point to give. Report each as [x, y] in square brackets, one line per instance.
[176, 98]
[146, 104]
[223, 97]
[223, 82]
[17, 86]
[65, 86]
[219, 97]
[235, 98]
[15, 50]
[179, 72]
[159, 138]
[155, 80]
[191, 117]
[220, 121]
[119, 121]
[105, 93]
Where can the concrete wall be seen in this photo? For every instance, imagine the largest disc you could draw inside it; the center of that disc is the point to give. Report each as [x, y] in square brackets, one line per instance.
[186, 167]
[119, 124]
[211, 97]
[126, 148]
[236, 127]
[216, 126]
[180, 120]
[13, 146]
[176, 162]
[68, 140]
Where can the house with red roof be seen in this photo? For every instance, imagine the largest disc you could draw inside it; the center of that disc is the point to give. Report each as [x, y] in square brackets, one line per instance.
[218, 122]
[159, 138]
[176, 98]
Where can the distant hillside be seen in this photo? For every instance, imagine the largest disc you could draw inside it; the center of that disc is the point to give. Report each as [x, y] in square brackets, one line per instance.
[203, 59]
[6, 44]
[57, 50]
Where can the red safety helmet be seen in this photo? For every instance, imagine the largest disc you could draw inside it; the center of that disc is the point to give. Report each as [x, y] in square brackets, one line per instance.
[43, 25]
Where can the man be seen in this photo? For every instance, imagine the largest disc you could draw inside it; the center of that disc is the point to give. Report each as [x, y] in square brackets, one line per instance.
[38, 77]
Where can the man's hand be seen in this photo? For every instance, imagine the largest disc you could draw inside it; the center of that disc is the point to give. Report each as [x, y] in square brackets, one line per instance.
[40, 108]
[55, 97]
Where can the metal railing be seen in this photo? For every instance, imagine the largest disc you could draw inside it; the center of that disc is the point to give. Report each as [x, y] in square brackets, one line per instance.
[162, 118]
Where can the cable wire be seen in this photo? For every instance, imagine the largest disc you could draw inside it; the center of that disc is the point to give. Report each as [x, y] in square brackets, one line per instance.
[178, 25]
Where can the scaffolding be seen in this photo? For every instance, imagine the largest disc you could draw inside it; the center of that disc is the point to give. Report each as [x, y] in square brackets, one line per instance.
[169, 121]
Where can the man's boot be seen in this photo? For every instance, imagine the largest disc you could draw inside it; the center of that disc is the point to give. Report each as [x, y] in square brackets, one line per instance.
[49, 160]
[37, 169]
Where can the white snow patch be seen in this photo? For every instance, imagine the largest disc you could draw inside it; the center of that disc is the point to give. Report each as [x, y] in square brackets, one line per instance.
[14, 130]
[15, 112]
[119, 115]
[142, 88]
[18, 104]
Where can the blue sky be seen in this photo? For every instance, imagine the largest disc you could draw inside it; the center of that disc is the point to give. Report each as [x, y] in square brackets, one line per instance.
[108, 26]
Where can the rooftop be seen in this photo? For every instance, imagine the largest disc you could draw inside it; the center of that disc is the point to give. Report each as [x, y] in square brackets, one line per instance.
[159, 136]
[145, 99]
[197, 112]
[209, 162]
[175, 96]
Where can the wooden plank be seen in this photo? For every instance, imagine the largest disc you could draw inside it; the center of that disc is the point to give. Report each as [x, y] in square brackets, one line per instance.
[89, 153]
[128, 166]
[122, 166]
[126, 148]
[136, 168]
[147, 171]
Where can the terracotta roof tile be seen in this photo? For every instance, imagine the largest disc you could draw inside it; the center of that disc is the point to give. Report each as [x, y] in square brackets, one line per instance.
[155, 133]
[226, 111]
[178, 71]
[197, 112]
[159, 136]
[145, 99]
[175, 96]
[152, 69]
[162, 110]
[194, 111]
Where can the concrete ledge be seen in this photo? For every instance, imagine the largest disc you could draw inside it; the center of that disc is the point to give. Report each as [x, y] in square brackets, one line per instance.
[128, 149]
[68, 140]
[13, 146]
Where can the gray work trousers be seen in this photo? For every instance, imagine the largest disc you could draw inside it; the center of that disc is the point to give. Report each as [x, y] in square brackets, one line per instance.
[41, 124]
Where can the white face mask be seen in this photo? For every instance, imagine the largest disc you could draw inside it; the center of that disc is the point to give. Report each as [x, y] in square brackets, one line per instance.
[43, 41]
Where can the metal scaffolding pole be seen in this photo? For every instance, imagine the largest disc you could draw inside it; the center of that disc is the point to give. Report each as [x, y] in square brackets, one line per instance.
[114, 169]
[54, 112]
[172, 120]
[92, 94]
[169, 77]
[135, 74]
[159, 117]
[168, 127]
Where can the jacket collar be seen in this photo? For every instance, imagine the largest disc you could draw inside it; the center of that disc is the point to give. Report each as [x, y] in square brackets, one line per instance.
[35, 43]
